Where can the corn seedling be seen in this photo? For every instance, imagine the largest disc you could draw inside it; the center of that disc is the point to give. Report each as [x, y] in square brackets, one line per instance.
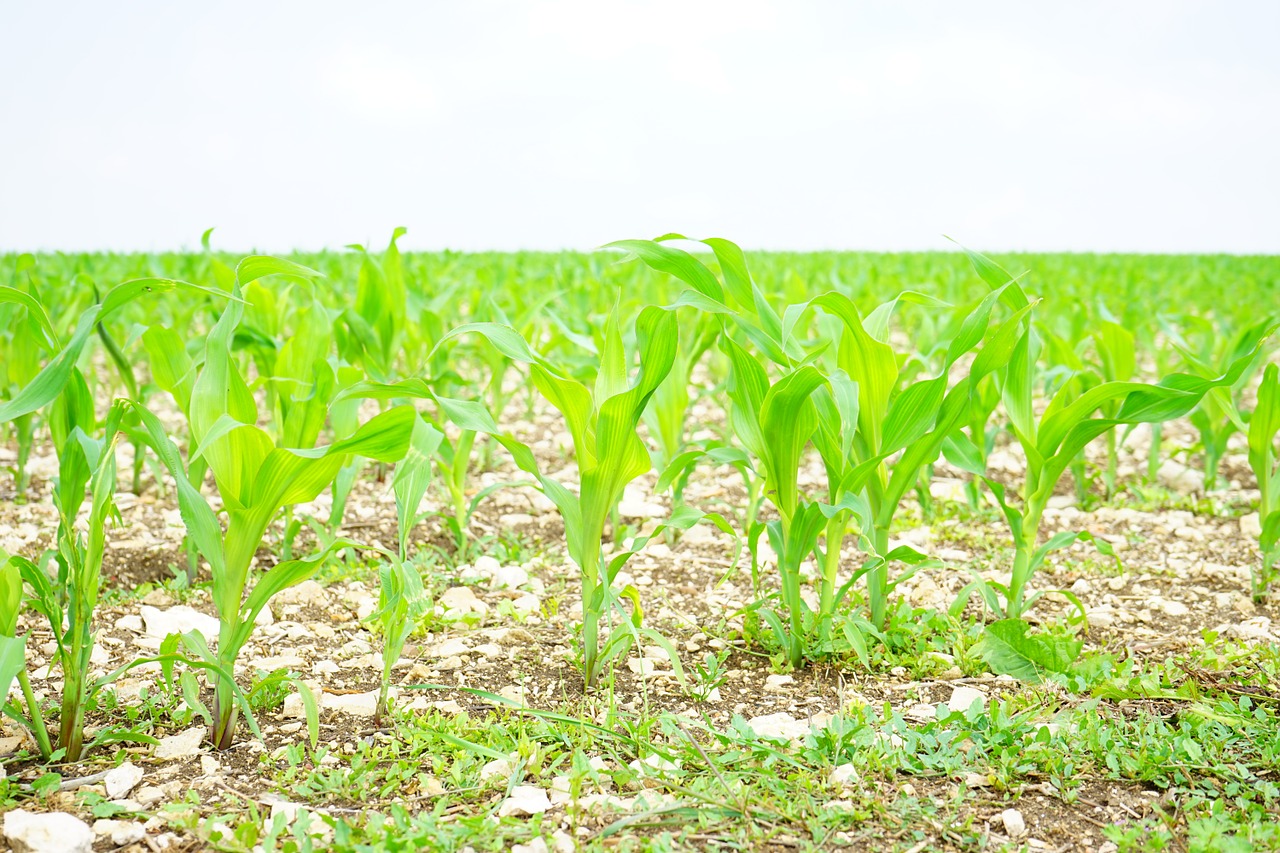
[1264, 459]
[256, 480]
[1053, 441]
[402, 601]
[602, 422]
[68, 598]
[1217, 417]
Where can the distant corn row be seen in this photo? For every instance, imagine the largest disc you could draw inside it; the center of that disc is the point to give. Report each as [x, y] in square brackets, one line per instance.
[271, 363]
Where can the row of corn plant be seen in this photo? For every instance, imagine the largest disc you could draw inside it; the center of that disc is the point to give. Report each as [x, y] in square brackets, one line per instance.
[806, 382]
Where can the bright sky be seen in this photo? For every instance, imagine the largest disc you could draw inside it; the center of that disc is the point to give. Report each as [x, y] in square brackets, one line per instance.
[1139, 126]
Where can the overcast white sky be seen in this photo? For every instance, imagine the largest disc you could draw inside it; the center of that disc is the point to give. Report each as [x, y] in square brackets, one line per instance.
[1141, 126]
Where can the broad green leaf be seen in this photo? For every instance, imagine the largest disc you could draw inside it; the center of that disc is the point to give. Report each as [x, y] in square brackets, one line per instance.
[1009, 649]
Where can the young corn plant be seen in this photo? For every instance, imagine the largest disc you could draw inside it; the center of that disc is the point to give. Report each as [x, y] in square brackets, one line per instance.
[402, 601]
[25, 333]
[602, 422]
[1053, 441]
[67, 598]
[775, 422]
[256, 479]
[1264, 459]
[1117, 362]
[1217, 417]
[876, 438]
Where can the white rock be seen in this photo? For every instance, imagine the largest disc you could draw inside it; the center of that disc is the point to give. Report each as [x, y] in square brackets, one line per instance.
[537, 845]
[654, 765]
[1180, 478]
[121, 780]
[356, 704]
[450, 648]
[460, 600]
[486, 566]
[524, 800]
[55, 832]
[962, 698]
[121, 833]
[307, 593]
[1014, 825]
[182, 745]
[634, 505]
[508, 577]
[1250, 526]
[953, 555]
[1174, 608]
[778, 683]
[271, 664]
[843, 774]
[177, 620]
[1102, 616]
[779, 725]
[133, 622]
[149, 795]
[500, 767]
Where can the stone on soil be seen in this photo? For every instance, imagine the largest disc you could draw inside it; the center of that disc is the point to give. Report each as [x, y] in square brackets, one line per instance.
[55, 832]
[121, 780]
[780, 725]
[1014, 825]
[119, 832]
[177, 620]
[182, 745]
[962, 698]
[525, 800]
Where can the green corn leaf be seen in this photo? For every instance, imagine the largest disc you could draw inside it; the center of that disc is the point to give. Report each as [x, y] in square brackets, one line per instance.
[413, 477]
[674, 262]
[170, 364]
[788, 419]
[1264, 425]
[48, 384]
[34, 309]
[254, 267]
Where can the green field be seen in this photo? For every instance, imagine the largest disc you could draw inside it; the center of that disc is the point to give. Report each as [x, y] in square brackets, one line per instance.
[663, 547]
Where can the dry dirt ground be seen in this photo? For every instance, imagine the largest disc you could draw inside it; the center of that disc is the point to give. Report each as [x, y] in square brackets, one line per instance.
[504, 627]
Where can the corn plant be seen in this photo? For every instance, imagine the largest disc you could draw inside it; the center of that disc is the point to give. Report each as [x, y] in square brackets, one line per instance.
[25, 333]
[1217, 417]
[402, 601]
[255, 480]
[375, 323]
[665, 416]
[602, 422]
[68, 601]
[1264, 459]
[1053, 441]
[776, 421]
[876, 439]
[1117, 362]
[13, 656]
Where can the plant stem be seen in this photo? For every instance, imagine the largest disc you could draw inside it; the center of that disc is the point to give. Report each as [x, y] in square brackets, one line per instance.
[878, 577]
[1024, 547]
[38, 728]
[1153, 452]
[1109, 478]
[25, 429]
[830, 570]
[139, 456]
[590, 643]
[1018, 579]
